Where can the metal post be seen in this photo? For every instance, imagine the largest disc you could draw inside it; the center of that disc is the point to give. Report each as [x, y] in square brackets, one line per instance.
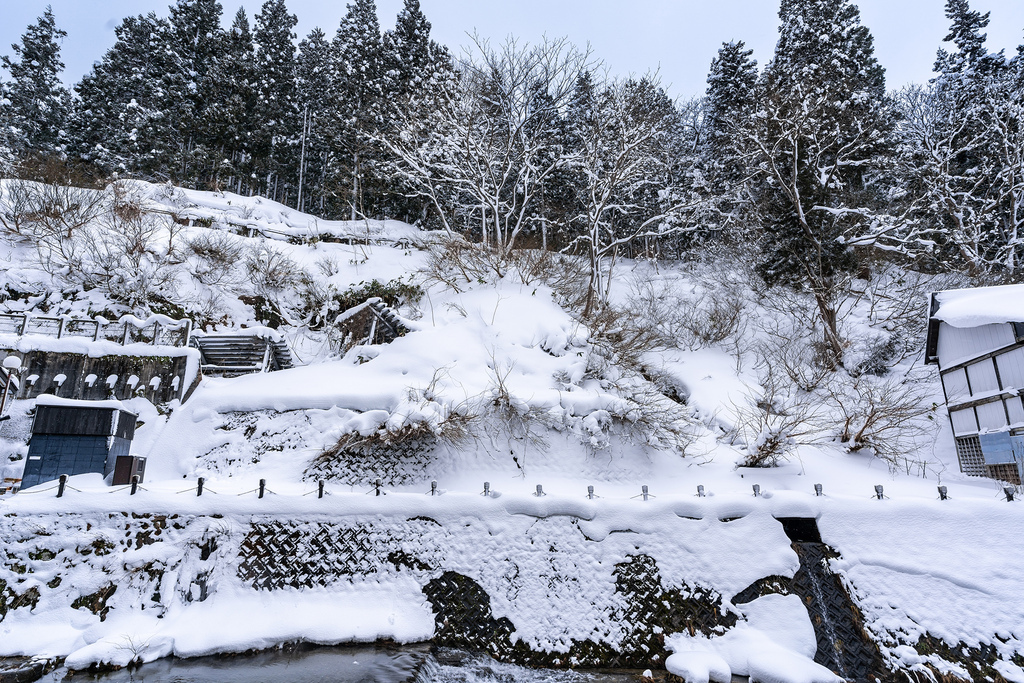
[60, 485]
[124, 337]
[817, 490]
[60, 327]
[320, 489]
[1009, 491]
[540, 491]
[263, 487]
[879, 492]
[135, 484]
[199, 487]
[700, 491]
[943, 493]
[377, 485]
[433, 488]
[487, 488]
[644, 492]
[757, 490]
[590, 492]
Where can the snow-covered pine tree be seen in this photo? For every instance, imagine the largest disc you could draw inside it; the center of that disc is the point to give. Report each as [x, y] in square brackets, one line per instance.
[961, 152]
[417, 72]
[36, 102]
[965, 32]
[408, 52]
[277, 125]
[228, 118]
[729, 99]
[117, 117]
[823, 127]
[359, 110]
[314, 70]
[6, 136]
[195, 41]
[729, 105]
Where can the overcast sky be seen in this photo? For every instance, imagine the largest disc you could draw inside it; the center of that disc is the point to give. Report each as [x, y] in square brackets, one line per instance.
[677, 37]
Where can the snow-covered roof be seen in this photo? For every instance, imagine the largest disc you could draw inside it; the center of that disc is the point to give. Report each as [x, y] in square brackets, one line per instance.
[979, 306]
[51, 400]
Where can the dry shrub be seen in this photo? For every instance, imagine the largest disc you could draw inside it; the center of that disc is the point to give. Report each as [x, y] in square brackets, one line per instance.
[270, 270]
[213, 255]
[510, 417]
[887, 416]
[620, 337]
[654, 419]
[781, 419]
[456, 262]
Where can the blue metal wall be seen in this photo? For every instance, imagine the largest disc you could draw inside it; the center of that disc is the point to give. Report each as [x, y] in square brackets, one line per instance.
[51, 455]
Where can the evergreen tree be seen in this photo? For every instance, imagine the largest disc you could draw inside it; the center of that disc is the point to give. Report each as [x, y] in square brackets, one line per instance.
[965, 32]
[359, 108]
[417, 71]
[821, 131]
[729, 104]
[36, 103]
[314, 86]
[118, 117]
[729, 100]
[961, 155]
[277, 125]
[6, 135]
[195, 41]
[410, 55]
[229, 116]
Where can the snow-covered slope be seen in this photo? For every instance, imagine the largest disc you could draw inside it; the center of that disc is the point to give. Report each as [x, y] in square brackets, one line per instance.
[695, 372]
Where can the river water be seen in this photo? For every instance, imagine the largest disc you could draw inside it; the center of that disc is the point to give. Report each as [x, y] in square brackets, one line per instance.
[346, 664]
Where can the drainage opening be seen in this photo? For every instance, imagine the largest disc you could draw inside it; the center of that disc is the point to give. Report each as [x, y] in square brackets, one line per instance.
[801, 529]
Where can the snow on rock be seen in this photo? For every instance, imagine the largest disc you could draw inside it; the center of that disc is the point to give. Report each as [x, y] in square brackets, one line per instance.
[775, 644]
[709, 376]
[699, 666]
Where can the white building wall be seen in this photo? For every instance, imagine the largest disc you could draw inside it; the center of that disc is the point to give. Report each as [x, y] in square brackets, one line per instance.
[1011, 369]
[957, 344]
[983, 377]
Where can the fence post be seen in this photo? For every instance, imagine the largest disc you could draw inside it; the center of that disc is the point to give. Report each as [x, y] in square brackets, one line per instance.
[199, 487]
[320, 489]
[135, 484]
[263, 487]
[61, 484]
[60, 327]
[156, 334]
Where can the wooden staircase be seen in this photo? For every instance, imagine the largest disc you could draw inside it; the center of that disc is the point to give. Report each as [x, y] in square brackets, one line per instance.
[234, 354]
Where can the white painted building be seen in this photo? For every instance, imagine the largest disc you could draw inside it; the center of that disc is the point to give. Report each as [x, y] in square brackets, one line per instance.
[976, 337]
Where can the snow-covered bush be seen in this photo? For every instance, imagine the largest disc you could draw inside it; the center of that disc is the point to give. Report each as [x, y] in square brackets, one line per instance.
[888, 416]
[772, 425]
[213, 255]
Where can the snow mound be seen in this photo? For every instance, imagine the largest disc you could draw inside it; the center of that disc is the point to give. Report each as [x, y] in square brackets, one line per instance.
[775, 644]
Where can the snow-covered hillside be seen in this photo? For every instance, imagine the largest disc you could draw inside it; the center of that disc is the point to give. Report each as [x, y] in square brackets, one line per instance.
[695, 375]
[693, 371]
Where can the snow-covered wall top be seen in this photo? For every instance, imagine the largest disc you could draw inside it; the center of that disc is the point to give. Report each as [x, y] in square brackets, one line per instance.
[980, 306]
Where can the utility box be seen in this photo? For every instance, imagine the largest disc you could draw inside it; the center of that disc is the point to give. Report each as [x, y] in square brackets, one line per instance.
[76, 437]
[126, 467]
